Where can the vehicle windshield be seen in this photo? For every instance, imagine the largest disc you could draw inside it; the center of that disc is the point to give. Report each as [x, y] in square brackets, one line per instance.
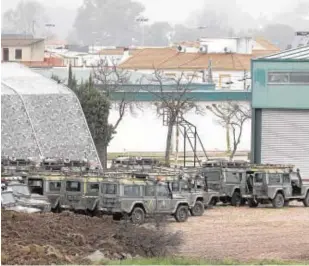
[21, 189]
[7, 198]
[110, 189]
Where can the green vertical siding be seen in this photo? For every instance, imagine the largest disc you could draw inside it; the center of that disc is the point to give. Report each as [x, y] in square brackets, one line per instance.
[278, 96]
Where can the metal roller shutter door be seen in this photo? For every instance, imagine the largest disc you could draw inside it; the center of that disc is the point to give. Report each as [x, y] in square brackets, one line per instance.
[285, 138]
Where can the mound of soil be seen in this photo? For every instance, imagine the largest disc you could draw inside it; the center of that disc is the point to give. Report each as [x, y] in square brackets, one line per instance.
[67, 238]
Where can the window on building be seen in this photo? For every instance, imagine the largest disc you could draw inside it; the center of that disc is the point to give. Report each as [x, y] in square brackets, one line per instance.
[288, 78]
[74, 186]
[18, 54]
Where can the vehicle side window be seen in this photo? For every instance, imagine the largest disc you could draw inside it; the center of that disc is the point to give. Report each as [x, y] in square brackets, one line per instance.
[212, 176]
[274, 179]
[232, 177]
[185, 186]
[54, 185]
[286, 178]
[258, 178]
[74, 186]
[162, 191]
[131, 190]
[93, 187]
[149, 191]
[110, 189]
[175, 186]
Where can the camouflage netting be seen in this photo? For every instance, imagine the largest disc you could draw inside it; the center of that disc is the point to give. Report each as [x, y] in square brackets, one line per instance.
[41, 117]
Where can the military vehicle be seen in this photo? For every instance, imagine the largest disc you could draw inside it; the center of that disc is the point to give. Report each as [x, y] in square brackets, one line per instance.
[9, 203]
[137, 163]
[226, 178]
[23, 197]
[137, 199]
[276, 184]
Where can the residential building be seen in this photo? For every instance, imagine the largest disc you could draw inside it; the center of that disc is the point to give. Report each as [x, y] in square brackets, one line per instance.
[26, 50]
[229, 60]
[280, 109]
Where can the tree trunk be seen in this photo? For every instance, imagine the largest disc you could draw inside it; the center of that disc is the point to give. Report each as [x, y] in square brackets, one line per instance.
[228, 139]
[102, 152]
[168, 144]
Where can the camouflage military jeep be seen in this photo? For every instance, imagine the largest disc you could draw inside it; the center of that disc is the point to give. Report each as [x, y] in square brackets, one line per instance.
[227, 179]
[137, 199]
[277, 186]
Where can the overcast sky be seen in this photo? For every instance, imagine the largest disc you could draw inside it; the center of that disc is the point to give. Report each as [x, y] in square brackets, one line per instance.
[175, 11]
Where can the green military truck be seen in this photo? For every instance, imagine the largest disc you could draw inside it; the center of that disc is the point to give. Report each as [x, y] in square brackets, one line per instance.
[138, 199]
[228, 179]
[277, 185]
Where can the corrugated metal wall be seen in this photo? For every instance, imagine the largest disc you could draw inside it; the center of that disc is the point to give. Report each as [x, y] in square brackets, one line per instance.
[285, 138]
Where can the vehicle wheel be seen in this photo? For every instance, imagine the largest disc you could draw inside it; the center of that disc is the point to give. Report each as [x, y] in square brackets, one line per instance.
[278, 201]
[306, 200]
[213, 202]
[117, 216]
[182, 214]
[138, 216]
[198, 209]
[236, 199]
[57, 209]
[252, 203]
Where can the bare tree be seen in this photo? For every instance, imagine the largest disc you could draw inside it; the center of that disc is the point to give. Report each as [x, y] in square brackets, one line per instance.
[232, 116]
[111, 80]
[173, 99]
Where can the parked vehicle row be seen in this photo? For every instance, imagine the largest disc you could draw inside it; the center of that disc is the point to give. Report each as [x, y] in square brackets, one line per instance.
[136, 194]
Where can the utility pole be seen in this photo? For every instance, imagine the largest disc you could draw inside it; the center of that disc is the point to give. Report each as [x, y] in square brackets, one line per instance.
[142, 20]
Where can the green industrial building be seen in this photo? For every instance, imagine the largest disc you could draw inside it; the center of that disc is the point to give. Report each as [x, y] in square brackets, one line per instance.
[280, 109]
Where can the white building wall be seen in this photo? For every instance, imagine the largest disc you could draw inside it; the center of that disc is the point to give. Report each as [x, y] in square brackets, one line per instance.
[144, 131]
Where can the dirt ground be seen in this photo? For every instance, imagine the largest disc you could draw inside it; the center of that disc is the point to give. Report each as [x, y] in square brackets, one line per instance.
[245, 234]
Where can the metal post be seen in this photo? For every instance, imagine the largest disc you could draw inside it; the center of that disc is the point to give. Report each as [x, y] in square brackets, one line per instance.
[194, 146]
[184, 146]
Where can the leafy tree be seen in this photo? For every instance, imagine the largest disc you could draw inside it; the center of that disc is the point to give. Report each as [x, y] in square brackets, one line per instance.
[108, 22]
[96, 109]
[28, 17]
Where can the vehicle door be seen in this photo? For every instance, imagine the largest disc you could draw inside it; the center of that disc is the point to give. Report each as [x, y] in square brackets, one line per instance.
[230, 183]
[109, 194]
[163, 198]
[243, 183]
[89, 201]
[274, 183]
[213, 180]
[188, 190]
[132, 193]
[259, 185]
[74, 190]
[54, 191]
[149, 198]
[287, 188]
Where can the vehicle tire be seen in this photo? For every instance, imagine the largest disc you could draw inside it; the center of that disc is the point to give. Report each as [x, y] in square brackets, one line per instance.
[278, 201]
[236, 199]
[117, 216]
[182, 213]
[138, 216]
[306, 200]
[252, 203]
[198, 209]
[57, 209]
